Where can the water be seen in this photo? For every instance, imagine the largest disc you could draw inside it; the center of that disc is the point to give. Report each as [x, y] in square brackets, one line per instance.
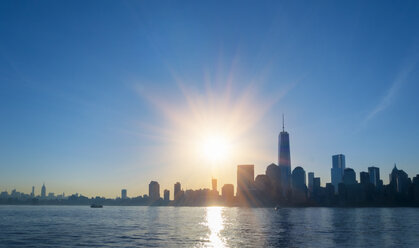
[69, 226]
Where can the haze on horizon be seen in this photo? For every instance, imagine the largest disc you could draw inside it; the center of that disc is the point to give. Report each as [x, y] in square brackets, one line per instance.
[100, 96]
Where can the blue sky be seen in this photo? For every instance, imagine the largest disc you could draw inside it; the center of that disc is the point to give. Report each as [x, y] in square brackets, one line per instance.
[96, 96]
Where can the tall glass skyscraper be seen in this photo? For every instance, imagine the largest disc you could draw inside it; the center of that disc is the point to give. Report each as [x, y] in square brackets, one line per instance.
[338, 167]
[284, 157]
[374, 173]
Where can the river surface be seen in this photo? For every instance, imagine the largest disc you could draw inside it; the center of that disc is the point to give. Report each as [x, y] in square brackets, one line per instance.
[71, 226]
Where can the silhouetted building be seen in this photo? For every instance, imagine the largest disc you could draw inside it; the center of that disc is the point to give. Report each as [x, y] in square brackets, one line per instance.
[177, 191]
[214, 184]
[298, 182]
[284, 160]
[166, 195]
[316, 185]
[33, 192]
[227, 192]
[364, 177]
[274, 175]
[349, 176]
[43, 191]
[299, 178]
[154, 191]
[337, 171]
[310, 181]
[263, 183]
[374, 173]
[245, 181]
[123, 194]
[399, 180]
[330, 191]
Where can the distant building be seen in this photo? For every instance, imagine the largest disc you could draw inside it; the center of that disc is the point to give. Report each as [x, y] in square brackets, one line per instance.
[43, 191]
[284, 157]
[349, 176]
[374, 173]
[337, 171]
[177, 191]
[245, 180]
[214, 184]
[399, 180]
[51, 195]
[166, 195]
[123, 194]
[274, 175]
[330, 190]
[364, 177]
[310, 181]
[227, 193]
[33, 192]
[262, 183]
[154, 191]
[316, 185]
[299, 178]
[4, 195]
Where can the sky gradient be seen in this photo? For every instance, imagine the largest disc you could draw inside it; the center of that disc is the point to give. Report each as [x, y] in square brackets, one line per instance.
[96, 96]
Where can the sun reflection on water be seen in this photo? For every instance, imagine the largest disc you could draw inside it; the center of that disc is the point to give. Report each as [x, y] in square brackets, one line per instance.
[215, 224]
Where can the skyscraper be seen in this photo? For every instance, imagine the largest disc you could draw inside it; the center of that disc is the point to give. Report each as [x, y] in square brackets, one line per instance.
[227, 192]
[310, 181]
[166, 195]
[299, 178]
[374, 173]
[177, 191]
[349, 176]
[284, 157]
[214, 184]
[33, 191]
[338, 167]
[43, 191]
[124, 194]
[272, 171]
[245, 180]
[364, 177]
[154, 190]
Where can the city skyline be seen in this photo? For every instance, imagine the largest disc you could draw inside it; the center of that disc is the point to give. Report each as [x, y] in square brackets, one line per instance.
[100, 100]
[339, 173]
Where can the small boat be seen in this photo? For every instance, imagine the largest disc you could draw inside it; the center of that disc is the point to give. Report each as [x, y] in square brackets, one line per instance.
[94, 205]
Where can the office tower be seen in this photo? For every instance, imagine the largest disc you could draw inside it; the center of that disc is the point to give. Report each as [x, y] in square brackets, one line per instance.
[245, 180]
[214, 184]
[298, 178]
[310, 181]
[330, 190]
[154, 191]
[284, 157]
[316, 185]
[349, 176]
[33, 191]
[124, 194]
[177, 191]
[166, 195]
[399, 180]
[364, 177]
[43, 191]
[374, 173]
[274, 174]
[227, 192]
[263, 184]
[338, 167]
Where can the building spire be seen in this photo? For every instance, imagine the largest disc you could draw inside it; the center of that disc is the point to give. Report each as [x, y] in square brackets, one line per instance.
[283, 123]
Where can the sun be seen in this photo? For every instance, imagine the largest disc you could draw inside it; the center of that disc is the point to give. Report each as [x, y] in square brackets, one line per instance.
[215, 147]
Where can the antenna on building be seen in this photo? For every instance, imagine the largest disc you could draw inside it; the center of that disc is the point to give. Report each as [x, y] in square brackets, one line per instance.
[283, 123]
